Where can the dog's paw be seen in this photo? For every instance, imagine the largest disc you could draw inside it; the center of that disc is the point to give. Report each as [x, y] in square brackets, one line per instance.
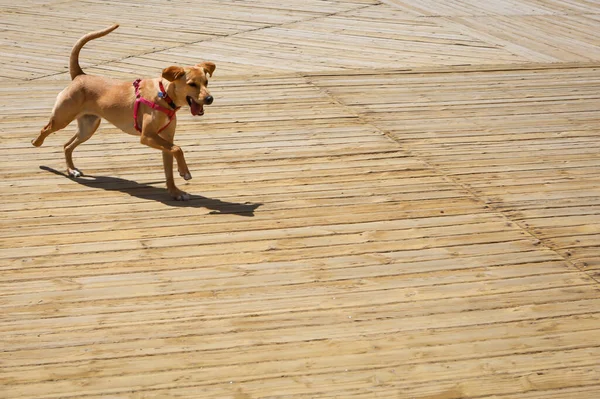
[180, 196]
[74, 173]
[186, 176]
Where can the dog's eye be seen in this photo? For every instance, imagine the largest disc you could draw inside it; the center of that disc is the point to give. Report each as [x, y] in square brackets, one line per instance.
[193, 84]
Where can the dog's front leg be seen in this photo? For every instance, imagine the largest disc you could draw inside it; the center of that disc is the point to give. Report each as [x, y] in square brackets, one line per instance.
[159, 143]
[173, 190]
[169, 151]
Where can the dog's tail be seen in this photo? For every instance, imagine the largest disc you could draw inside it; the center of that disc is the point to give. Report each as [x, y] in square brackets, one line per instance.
[74, 67]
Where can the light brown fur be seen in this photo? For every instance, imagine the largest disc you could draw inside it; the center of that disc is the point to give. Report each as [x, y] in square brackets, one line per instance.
[90, 98]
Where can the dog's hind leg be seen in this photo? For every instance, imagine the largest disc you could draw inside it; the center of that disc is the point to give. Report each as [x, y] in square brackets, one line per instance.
[65, 111]
[86, 127]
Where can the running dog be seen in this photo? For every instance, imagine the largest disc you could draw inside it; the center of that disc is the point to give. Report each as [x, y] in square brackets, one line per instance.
[145, 108]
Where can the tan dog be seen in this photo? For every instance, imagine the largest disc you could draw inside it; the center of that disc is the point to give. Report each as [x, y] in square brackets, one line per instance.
[145, 108]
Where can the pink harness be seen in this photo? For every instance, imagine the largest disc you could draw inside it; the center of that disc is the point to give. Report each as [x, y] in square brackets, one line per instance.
[162, 94]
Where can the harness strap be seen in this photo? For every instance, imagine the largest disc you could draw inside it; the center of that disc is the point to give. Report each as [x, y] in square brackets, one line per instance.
[163, 94]
[139, 99]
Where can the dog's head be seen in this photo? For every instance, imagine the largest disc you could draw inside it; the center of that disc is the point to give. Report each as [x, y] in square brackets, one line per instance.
[191, 84]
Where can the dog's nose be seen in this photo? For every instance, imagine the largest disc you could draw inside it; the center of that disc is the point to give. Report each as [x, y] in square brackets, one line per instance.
[208, 100]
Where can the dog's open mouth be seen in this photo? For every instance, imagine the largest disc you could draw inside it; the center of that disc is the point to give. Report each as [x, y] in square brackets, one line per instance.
[195, 108]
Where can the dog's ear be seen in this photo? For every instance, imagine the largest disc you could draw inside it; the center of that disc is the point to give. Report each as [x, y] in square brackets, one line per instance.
[208, 67]
[173, 73]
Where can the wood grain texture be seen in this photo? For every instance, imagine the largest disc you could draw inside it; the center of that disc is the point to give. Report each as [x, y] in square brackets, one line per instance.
[391, 199]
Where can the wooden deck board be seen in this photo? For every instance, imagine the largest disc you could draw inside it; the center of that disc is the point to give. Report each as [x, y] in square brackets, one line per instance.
[391, 199]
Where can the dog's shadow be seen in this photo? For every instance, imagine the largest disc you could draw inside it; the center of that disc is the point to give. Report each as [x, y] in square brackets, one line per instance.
[148, 192]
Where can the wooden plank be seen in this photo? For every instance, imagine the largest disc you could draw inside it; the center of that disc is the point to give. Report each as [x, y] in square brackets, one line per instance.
[390, 199]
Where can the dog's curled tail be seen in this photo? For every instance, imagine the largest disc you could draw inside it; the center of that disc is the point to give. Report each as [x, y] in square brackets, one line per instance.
[74, 67]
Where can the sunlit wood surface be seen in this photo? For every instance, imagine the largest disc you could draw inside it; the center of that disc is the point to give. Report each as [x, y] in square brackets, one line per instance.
[391, 199]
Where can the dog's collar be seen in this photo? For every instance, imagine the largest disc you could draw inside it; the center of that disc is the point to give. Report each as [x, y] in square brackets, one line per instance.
[163, 94]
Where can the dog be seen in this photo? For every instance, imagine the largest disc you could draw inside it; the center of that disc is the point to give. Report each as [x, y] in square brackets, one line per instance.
[145, 108]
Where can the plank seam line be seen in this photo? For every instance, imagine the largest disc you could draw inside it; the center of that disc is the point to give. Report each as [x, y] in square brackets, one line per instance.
[409, 151]
[461, 68]
[584, 367]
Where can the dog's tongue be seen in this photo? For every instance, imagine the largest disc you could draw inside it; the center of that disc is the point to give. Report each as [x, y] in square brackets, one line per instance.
[196, 109]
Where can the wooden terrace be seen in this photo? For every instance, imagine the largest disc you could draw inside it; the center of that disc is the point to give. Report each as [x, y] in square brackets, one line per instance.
[391, 199]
